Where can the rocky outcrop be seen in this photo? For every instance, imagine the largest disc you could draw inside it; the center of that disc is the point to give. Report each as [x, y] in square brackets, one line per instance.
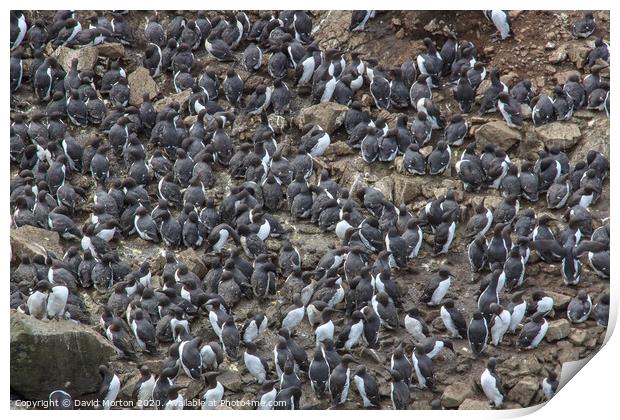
[562, 134]
[32, 240]
[523, 364]
[524, 391]
[329, 115]
[578, 336]
[406, 188]
[560, 301]
[181, 98]
[141, 82]
[111, 50]
[87, 57]
[595, 134]
[497, 132]
[193, 259]
[558, 330]
[454, 394]
[575, 51]
[231, 378]
[46, 355]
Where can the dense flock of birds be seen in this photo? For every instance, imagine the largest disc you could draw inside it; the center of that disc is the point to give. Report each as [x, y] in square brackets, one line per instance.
[138, 147]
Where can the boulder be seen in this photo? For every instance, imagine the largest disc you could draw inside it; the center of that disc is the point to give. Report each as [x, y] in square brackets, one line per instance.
[111, 50]
[337, 150]
[595, 136]
[407, 188]
[329, 115]
[386, 186]
[46, 355]
[193, 387]
[141, 82]
[32, 240]
[181, 98]
[470, 404]
[510, 79]
[558, 56]
[497, 132]
[454, 394]
[562, 134]
[578, 336]
[529, 146]
[523, 364]
[87, 57]
[231, 379]
[560, 301]
[558, 330]
[567, 352]
[524, 391]
[577, 52]
[193, 259]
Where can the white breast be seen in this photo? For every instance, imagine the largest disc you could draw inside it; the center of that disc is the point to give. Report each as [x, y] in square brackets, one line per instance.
[440, 291]
[489, 387]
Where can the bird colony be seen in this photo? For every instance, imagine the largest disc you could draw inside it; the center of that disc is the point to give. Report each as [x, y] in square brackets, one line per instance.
[262, 210]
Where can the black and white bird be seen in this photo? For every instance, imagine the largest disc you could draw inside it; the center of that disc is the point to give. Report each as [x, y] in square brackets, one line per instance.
[579, 308]
[584, 27]
[437, 287]
[492, 384]
[430, 63]
[510, 110]
[453, 320]
[501, 20]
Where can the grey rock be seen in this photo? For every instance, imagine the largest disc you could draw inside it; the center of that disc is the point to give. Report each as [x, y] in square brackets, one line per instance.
[45, 355]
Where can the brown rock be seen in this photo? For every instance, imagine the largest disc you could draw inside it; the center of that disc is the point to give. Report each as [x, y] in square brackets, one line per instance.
[329, 115]
[558, 330]
[111, 50]
[497, 132]
[567, 353]
[390, 118]
[231, 379]
[406, 188]
[520, 365]
[141, 82]
[32, 240]
[454, 394]
[509, 78]
[577, 51]
[578, 336]
[338, 149]
[562, 134]
[595, 136]
[180, 97]
[560, 301]
[524, 391]
[562, 77]
[194, 262]
[558, 55]
[470, 404]
[386, 186]
[87, 57]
